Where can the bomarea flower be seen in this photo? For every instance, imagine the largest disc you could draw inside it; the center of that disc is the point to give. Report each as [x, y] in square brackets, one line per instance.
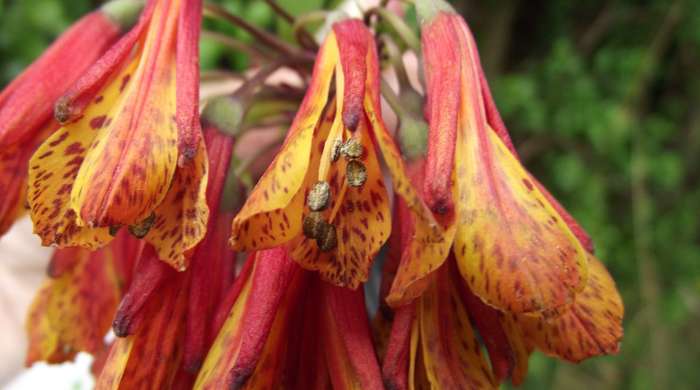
[26, 104]
[130, 151]
[73, 310]
[516, 247]
[163, 318]
[287, 328]
[164, 321]
[324, 195]
[443, 338]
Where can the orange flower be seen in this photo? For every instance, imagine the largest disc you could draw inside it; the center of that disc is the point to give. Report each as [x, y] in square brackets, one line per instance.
[126, 124]
[288, 329]
[516, 247]
[324, 194]
[164, 322]
[26, 104]
[432, 341]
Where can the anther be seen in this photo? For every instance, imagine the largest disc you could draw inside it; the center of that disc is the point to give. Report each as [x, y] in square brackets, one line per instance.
[319, 196]
[353, 149]
[327, 239]
[356, 173]
[114, 229]
[140, 229]
[337, 147]
[313, 224]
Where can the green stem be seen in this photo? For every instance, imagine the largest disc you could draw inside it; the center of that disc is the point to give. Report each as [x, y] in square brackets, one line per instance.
[263, 36]
[235, 44]
[407, 35]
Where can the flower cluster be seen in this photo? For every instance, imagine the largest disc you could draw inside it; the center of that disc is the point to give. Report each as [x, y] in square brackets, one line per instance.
[138, 193]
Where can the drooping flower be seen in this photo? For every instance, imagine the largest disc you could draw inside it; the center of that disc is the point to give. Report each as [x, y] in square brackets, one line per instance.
[516, 247]
[130, 151]
[73, 310]
[164, 321]
[287, 328]
[324, 195]
[434, 341]
[26, 104]
[442, 339]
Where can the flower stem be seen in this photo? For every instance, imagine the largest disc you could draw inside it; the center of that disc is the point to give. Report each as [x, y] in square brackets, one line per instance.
[263, 36]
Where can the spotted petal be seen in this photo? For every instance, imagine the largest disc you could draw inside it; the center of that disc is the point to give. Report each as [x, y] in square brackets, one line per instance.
[130, 165]
[181, 219]
[267, 219]
[73, 311]
[591, 326]
[451, 353]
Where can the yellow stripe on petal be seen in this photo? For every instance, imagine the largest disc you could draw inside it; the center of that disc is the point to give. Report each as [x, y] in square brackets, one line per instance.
[112, 373]
[268, 218]
[519, 346]
[181, 219]
[222, 354]
[129, 167]
[512, 247]
[451, 353]
[591, 326]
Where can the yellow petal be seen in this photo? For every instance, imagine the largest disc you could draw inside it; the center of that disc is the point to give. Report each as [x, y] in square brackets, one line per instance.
[512, 247]
[52, 172]
[422, 255]
[129, 167]
[267, 218]
[181, 219]
[591, 326]
[73, 312]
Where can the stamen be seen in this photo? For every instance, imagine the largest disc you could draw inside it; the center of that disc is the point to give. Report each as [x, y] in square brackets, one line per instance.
[114, 229]
[140, 229]
[327, 239]
[313, 224]
[319, 196]
[356, 173]
[337, 147]
[352, 149]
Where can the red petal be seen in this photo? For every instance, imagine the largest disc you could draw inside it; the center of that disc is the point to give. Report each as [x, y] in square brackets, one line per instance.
[398, 354]
[353, 42]
[149, 276]
[209, 257]
[442, 71]
[187, 78]
[81, 93]
[27, 103]
[239, 346]
[352, 361]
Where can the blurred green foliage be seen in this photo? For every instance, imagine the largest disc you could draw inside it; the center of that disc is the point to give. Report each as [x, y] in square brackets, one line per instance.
[603, 101]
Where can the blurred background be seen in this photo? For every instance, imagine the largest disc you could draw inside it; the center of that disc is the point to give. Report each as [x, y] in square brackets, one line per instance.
[602, 99]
